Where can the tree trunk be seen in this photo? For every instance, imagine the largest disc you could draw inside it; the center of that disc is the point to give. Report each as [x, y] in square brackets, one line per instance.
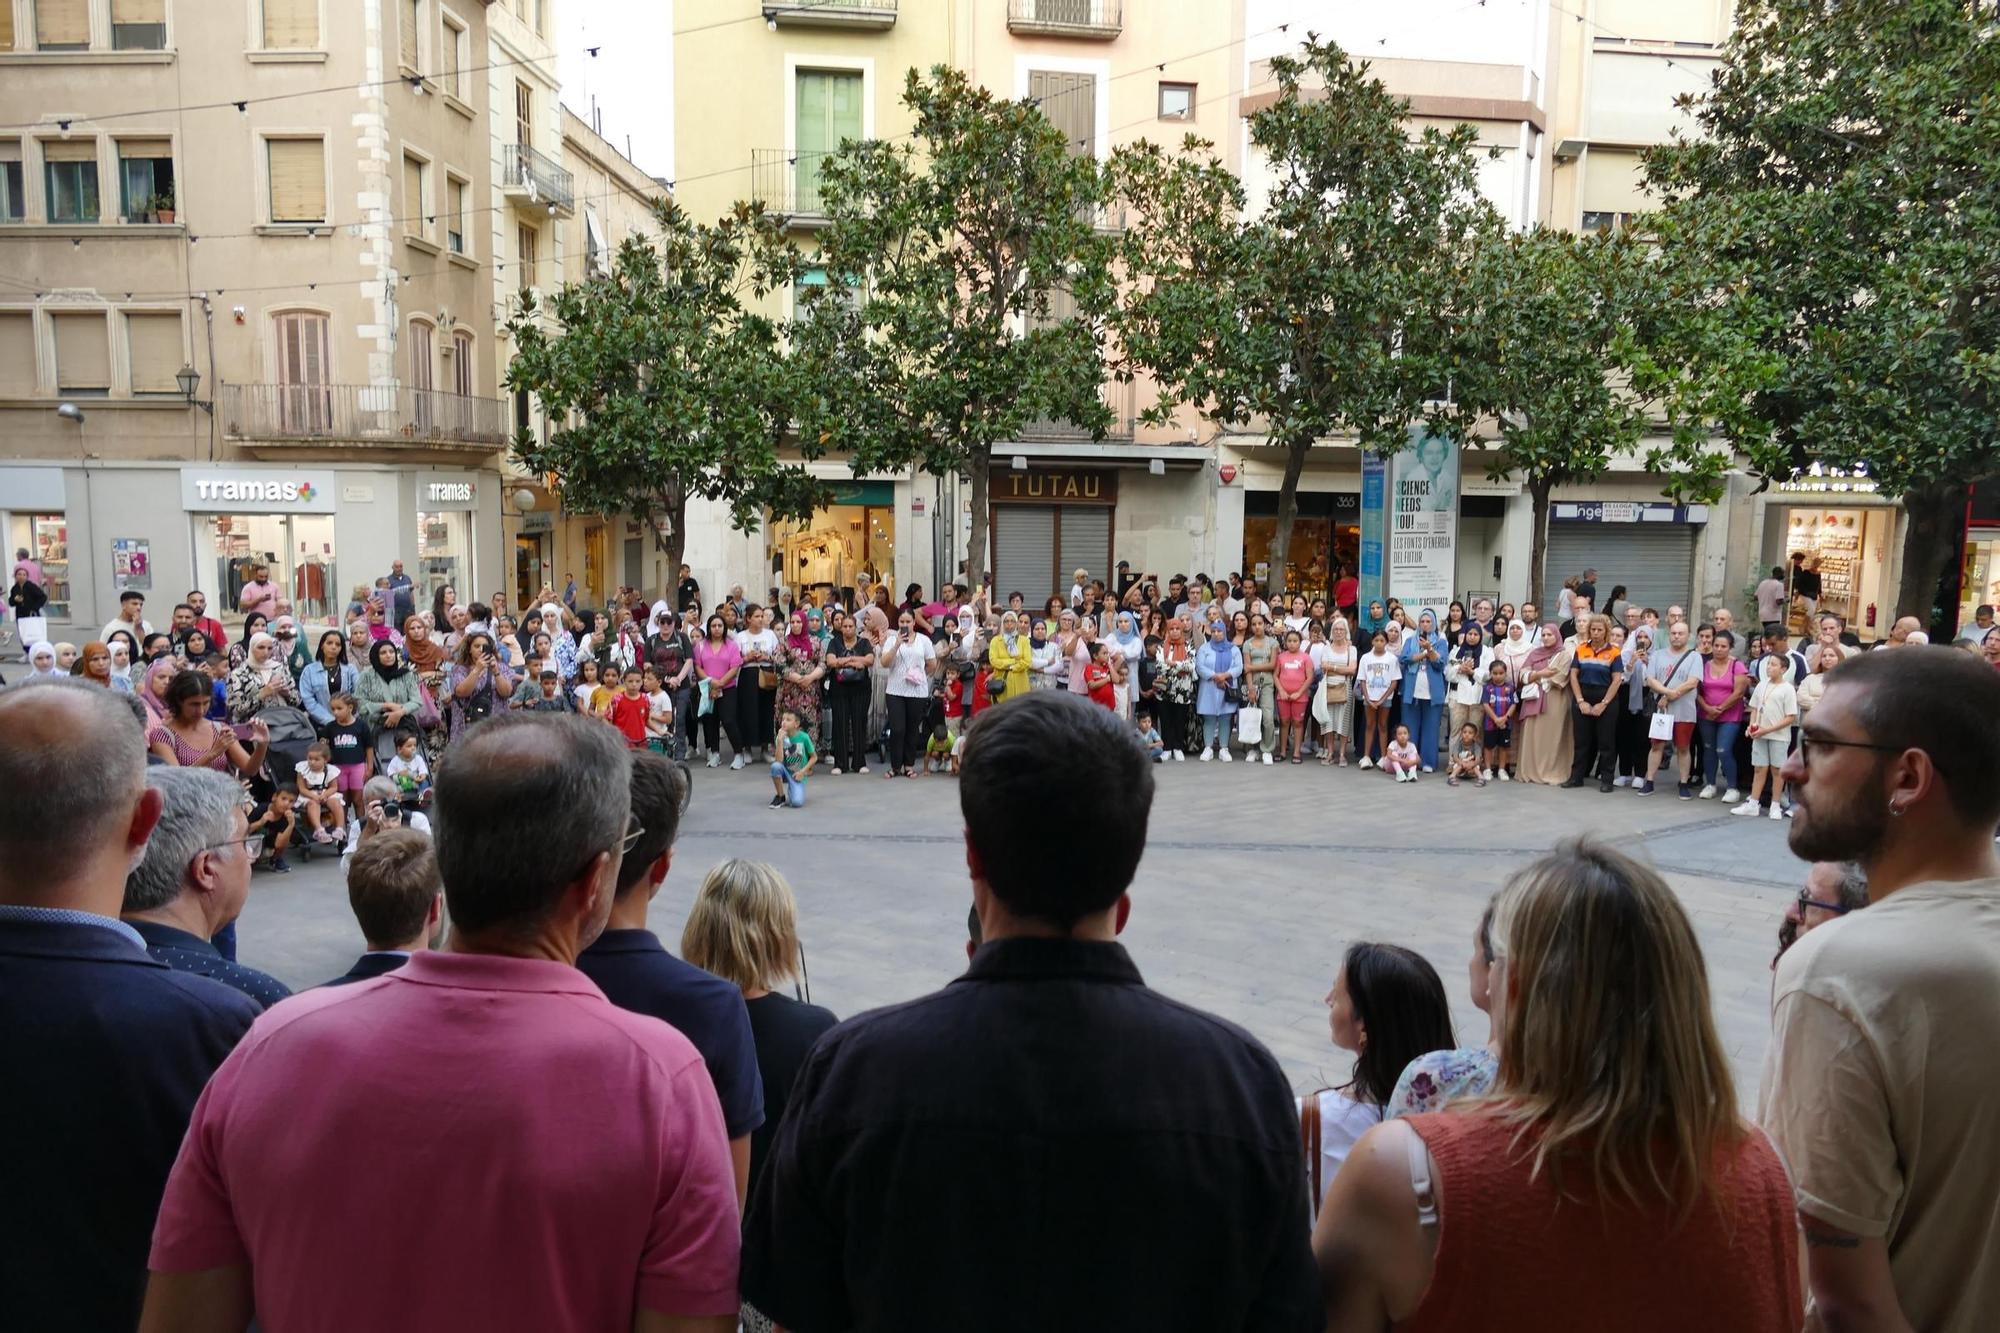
[1538, 540]
[1288, 513]
[1930, 539]
[979, 467]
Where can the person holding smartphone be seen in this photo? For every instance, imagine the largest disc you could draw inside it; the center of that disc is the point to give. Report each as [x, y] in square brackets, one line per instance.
[479, 682]
[910, 660]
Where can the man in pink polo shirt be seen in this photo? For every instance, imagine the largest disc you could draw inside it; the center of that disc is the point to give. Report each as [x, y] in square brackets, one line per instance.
[478, 1140]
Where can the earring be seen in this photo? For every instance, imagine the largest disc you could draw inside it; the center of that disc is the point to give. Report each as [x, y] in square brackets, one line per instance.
[1895, 810]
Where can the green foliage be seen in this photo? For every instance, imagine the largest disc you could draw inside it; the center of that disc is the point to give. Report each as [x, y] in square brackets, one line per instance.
[1340, 308]
[959, 236]
[1840, 203]
[661, 382]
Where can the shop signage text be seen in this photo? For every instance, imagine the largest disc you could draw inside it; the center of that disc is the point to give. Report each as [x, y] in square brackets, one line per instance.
[1056, 486]
[1627, 511]
[444, 491]
[234, 491]
[264, 492]
[1822, 480]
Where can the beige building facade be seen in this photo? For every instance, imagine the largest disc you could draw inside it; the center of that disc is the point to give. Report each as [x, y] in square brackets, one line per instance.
[246, 315]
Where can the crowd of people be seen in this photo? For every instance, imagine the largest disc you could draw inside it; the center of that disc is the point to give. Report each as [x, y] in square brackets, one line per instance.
[545, 1120]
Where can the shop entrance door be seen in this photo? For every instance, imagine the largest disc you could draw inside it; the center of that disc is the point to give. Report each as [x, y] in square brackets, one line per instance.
[531, 566]
[297, 548]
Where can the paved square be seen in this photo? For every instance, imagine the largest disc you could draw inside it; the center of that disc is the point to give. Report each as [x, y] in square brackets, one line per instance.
[1254, 882]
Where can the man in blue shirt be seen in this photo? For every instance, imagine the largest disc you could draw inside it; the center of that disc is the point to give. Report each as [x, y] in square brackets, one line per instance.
[635, 971]
[402, 596]
[109, 1047]
[194, 878]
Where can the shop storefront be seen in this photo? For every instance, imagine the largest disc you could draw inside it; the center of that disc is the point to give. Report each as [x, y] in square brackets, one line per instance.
[1326, 538]
[281, 521]
[34, 518]
[1047, 523]
[1979, 575]
[445, 509]
[1650, 548]
[1848, 537]
[532, 556]
[849, 542]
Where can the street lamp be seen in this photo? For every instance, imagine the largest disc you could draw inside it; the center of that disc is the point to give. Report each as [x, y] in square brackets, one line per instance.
[190, 379]
[524, 499]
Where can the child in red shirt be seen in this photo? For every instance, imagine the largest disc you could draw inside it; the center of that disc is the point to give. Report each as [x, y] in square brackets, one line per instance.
[1097, 677]
[954, 703]
[1293, 682]
[630, 709]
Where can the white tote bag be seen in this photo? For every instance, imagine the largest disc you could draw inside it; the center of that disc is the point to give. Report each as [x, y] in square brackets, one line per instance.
[1660, 727]
[1250, 725]
[31, 631]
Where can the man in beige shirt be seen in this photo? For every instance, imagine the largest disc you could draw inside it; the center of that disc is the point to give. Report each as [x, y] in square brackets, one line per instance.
[1879, 1086]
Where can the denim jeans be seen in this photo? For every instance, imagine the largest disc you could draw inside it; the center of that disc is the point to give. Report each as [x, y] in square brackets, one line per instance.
[1217, 730]
[795, 791]
[1718, 741]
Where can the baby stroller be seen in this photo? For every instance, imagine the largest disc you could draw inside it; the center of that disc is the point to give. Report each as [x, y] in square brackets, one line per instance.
[292, 733]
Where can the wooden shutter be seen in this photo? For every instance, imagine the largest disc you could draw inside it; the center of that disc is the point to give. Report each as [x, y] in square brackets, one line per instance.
[152, 148]
[17, 352]
[413, 197]
[302, 359]
[1070, 103]
[83, 352]
[62, 23]
[291, 25]
[422, 356]
[413, 18]
[524, 114]
[69, 150]
[157, 352]
[6, 27]
[448, 57]
[138, 11]
[298, 180]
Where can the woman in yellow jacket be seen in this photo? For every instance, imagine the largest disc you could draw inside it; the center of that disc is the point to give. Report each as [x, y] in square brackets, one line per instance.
[1009, 656]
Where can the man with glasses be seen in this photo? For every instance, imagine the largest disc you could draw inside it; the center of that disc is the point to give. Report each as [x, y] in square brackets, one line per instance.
[1878, 1085]
[195, 878]
[479, 1139]
[1832, 890]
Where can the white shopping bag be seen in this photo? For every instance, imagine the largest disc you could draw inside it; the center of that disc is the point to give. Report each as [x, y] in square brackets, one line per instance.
[1250, 726]
[1660, 727]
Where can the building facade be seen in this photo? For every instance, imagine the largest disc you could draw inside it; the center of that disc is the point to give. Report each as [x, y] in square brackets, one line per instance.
[250, 324]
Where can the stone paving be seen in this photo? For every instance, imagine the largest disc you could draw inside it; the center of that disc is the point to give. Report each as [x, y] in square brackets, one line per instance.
[1254, 882]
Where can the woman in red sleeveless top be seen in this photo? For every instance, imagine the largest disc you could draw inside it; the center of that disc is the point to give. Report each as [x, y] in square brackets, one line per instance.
[1607, 1182]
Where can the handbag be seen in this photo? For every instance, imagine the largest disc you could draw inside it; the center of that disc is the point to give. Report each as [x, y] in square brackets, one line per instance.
[427, 709]
[849, 675]
[1339, 686]
[1660, 727]
[767, 678]
[1532, 702]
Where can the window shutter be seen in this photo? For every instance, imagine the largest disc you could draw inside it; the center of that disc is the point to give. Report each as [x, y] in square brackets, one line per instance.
[291, 25]
[461, 367]
[10, 150]
[83, 353]
[157, 352]
[298, 181]
[145, 148]
[6, 27]
[17, 352]
[422, 356]
[69, 150]
[413, 12]
[62, 23]
[413, 197]
[138, 11]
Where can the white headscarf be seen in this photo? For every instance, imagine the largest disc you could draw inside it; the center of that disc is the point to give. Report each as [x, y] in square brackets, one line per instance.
[271, 665]
[42, 660]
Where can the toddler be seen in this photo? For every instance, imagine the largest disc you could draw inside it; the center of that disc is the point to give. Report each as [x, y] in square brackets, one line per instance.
[1098, 681]
[1401, 760]
[275, 823]
[941, 751]
[1149, 737]
[659, 714]
[319, 791]
[630, 709]
[1468, 757]
[954, 702]
[409, 772]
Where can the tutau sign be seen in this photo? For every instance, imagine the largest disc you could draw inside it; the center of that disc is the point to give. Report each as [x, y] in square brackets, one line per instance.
[1056, 485]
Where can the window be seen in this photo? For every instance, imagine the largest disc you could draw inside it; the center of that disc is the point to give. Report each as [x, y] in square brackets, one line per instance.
[844, 293]
[524, 114]
[461, 364]
[70, 176]
[17, 353]
[305, 401]
[454, 217]
[62, 25]
[1601, 221]
[46, 538]
[413, 31]
[451, 56]
[593, 244]
[423, 378]
[138, 25]
[83, 354]
[524, 250]
[291, 25]
[156, 350]
[1176, 101]
[415, 206]
[13, 198]
[1070, 103]
[298, 180]
[829, 112]
[146, 177]
[6, 27]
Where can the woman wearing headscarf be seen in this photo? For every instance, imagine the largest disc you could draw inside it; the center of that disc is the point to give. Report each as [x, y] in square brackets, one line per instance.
[1127, 643]
[42, 661]
[121, 662]
[95, 664]
[561, 643]
[1373, 621]
[1174, 688]
[1543, 745]
[1423, 652]
[1044, 656]
[1634, 710]
[1218, 667]
[260, 682]
[195, 648]
[253, 624]
[152, 689]
[1011, 658]
[391, 700]
[328, 674]
[800, 670]
[1513, 650]
[1465, 675]
[292, 647]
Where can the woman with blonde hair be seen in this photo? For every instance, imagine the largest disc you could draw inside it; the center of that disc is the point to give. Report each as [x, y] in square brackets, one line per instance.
[744, 927]
[1611, 1138]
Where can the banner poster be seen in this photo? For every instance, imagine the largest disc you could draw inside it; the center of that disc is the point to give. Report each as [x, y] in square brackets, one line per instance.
[1423, 524]
[1374, 519]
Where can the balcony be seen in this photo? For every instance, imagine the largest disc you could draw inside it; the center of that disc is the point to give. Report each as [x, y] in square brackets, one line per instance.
[788, 184]
[361, 414]
[1096, 20]
[865, 14]
[1120, 398]
[530, 175]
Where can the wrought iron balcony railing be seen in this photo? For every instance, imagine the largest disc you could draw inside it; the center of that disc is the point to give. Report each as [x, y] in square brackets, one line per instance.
[360, 414]
[529, 171]
[1100, 20]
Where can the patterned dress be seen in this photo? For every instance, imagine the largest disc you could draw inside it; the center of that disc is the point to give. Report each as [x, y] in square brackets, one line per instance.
[794, 697]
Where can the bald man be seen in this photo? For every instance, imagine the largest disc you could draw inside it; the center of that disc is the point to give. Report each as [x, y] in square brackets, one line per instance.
[119, 1044]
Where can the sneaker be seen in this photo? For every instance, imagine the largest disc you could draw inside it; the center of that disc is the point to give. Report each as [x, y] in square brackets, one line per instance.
[1708, 792]
[834, 771]
[1227, 757]
[1642, 787]
[1776, 813]
[321, 836]
[1429, 769]
[1267, 758]
[736, 763]
[1180, 756]
[1207, 754]
[281, 865]
[1486, 775]
[1789, 809]
[1621, 781]
[862, 769]
[1747, 808]
[1731, 796]
[715, 761]
[1505, 776]
[1686, 792]
[1366, 762]
[777, 802]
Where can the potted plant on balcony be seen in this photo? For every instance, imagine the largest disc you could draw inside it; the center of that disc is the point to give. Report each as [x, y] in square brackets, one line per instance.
[163, 207]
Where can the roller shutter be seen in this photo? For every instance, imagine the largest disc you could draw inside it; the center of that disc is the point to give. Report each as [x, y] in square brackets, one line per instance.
[1024, 551]
[1655, 561]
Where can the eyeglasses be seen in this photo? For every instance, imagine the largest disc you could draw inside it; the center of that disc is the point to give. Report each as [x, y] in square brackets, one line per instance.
[253, 844]
[1806, 900]
[1809, 743]
[633, 833]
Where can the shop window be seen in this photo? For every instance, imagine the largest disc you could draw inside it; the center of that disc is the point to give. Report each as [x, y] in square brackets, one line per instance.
[45, 537]
[1176, 101]
[296, 548]
[138, 25]
[83, 355]
[291, 25]
[69, 172]
[146, 179]
[13, 199]
[62, 25]
[444, 552]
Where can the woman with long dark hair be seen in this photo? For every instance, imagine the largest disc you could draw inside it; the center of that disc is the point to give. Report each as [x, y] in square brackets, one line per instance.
[1388, 1007]
[717, 663]
[911, 661]
[756, 687]
[328, 674]
[849, 659]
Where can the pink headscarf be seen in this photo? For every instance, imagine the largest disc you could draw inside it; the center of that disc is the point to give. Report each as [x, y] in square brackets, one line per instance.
[799, 640]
